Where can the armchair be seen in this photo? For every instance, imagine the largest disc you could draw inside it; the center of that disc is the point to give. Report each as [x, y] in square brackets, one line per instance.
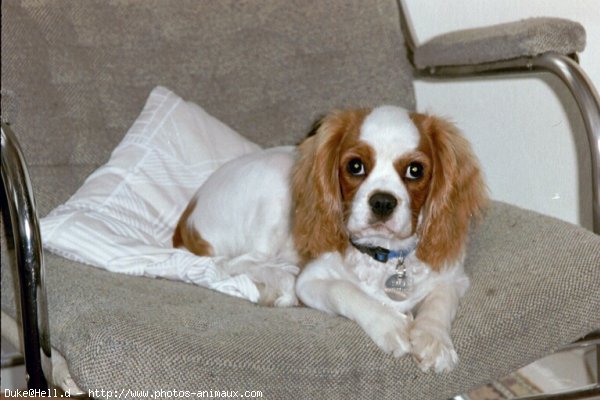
[74, 75]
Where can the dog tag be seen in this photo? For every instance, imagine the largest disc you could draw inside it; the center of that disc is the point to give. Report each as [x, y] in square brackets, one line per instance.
[396, 287]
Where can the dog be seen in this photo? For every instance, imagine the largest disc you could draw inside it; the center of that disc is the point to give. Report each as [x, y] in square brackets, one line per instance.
[371, 211]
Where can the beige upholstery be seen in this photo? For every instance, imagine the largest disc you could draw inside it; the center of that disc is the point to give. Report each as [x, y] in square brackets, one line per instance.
[529, 37]
[74, 76]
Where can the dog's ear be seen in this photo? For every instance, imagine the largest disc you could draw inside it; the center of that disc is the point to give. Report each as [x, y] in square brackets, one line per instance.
[457, 193]
[318, 221]
[314, 128]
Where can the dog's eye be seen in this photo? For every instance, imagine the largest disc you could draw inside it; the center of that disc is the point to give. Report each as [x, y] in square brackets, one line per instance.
[356, 167]
[414, 171]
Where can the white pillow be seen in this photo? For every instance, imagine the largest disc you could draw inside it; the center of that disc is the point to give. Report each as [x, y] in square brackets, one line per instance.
[123, 217]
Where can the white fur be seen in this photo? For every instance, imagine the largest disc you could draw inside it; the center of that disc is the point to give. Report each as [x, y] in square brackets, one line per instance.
[391, 133]
[244, 211]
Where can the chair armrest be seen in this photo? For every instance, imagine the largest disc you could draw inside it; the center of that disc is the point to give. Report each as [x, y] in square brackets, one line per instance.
[22, 226]
[531, 45]
[524, 38]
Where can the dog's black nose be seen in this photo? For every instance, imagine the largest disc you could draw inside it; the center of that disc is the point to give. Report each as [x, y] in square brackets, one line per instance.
[382, 204]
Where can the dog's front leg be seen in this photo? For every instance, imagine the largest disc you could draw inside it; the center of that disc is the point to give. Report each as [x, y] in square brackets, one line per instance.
[326, 286]
[430, 333]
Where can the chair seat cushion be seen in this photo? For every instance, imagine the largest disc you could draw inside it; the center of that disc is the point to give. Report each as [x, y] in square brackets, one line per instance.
[534, 283]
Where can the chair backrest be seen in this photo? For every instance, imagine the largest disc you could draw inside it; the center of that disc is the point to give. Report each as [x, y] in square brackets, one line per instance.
[75, 74]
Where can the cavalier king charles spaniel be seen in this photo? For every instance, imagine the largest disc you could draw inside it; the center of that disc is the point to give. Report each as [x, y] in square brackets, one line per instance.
[372, 208]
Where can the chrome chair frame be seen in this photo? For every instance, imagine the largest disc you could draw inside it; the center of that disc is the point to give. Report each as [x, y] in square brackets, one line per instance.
[25, 246]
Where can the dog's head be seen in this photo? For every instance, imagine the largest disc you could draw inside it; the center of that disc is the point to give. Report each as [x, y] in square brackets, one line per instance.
[386, 177]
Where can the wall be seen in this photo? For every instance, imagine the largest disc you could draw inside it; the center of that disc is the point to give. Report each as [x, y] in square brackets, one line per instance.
[526, 130]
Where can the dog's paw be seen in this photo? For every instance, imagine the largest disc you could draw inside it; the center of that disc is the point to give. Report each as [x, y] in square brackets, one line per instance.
[277, 290]
[432, 347]
[390, 333]
[286, 300]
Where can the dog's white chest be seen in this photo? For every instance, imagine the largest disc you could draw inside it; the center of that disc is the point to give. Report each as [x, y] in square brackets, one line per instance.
[407, 283]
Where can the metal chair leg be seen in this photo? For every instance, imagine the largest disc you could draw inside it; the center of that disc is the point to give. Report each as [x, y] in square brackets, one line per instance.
[17, 198]
[589, 105]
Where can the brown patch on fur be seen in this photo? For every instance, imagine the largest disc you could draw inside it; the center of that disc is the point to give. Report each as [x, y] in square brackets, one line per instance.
[457, 192]
[352, 148]
[187, 237]
[418, 189]
[322, 188]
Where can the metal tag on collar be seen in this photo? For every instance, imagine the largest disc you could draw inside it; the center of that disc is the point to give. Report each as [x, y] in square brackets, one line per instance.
[397, 285]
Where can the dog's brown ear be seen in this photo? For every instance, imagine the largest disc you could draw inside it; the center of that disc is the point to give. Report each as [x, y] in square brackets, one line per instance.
[318, 221]
[456, 196]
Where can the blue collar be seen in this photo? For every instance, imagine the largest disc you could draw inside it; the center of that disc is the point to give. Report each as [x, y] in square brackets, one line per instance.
[380, 254]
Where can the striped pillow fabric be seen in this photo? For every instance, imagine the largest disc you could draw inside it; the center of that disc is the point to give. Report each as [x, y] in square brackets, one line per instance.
[123, 217]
